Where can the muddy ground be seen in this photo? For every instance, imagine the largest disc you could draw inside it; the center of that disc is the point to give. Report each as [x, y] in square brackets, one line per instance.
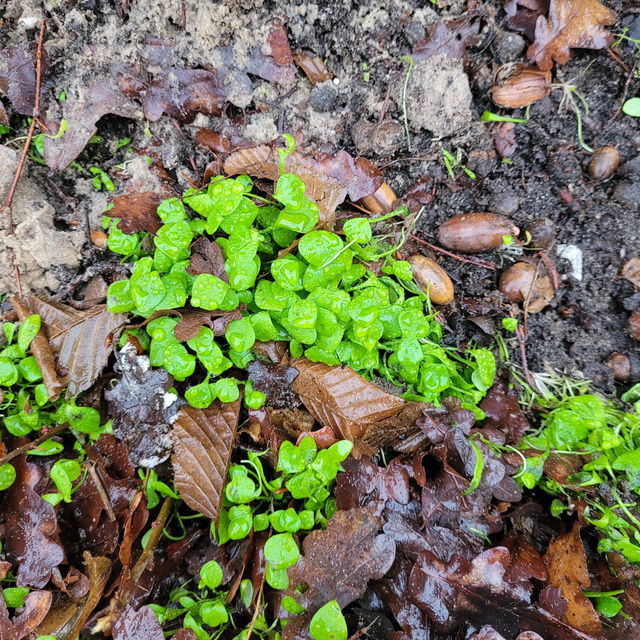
[362, 44]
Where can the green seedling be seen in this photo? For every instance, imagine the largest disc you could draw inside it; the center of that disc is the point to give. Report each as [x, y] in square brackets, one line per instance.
[452, 163]
[101, 178]
[488, 116]
[632, 107]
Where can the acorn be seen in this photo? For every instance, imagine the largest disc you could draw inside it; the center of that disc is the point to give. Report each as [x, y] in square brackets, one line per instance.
[604, 163]
[633, 325]
[381, 201]
[518, 85]
[626, 368]
[432, 279]
[542, 232]
[520, 279]
[475, 232]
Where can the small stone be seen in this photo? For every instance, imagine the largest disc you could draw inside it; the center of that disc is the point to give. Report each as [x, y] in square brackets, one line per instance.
[414, 32]
[361, 135]
[387, 137]
[504, 204]
[508, 45]
[627, 193]
[631, 169]
[323, 97]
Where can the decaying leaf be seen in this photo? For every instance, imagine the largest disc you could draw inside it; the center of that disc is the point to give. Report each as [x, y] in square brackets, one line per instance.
[329, 179]
[522, 15]
[33, 525]
[36, 607]
[221, 143]
[503, 412]
[81, 114]
[274, 380]
[180, 93]
[477, 592]
[202, 441]
[192, 321]
[631, 271]
[78, 340]
[279, 43]
[41, 350]
[137, 211]
[571, 24]
[450, 37]
[206, 257]
[504, 138]
[135, 625]
[312, 66]
[338, 563]
[142, 408]
[18, 76]
[400, 431]
[567, 568]
[342, 399]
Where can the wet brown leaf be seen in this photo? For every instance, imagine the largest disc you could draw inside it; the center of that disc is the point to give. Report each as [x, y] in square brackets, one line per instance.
[323, 438]
[78, 340]
[18, 76]
[206, 257]
[81, 115]
[338, 563]
[142, 408]
[36, 607]
[571, 24]
[503, 412]
[279, 43]
[179, 93]
[401, 431]
[522, 15]
[192, 321]
[477, 592]
[342, 399]
[329, 179]
[41, 350]
[202, 441]
[312, 66]
[451, 38]
[567, 568]
[631, 271]
[33, 525]
[137, 212]
[504, 137]
[274, 380]
[137, 625]
[6, 628]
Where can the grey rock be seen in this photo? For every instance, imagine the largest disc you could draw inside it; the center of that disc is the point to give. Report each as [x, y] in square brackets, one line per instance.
[627, 193]
[414, 32]
[323, 96]
[508, 45]
[631, 169]
[504, 204]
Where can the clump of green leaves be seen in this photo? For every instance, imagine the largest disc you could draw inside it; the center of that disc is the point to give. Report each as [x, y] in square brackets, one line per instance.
[25, 406]
[319, 296]
[609, 440]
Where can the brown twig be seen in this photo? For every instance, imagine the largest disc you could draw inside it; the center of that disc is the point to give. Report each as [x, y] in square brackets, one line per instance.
[522, 341]
[617, 59]
[476, 262]
[36, 116]
[34, 444]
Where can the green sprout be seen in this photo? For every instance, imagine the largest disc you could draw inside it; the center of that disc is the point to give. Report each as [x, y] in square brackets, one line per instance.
[452, 163]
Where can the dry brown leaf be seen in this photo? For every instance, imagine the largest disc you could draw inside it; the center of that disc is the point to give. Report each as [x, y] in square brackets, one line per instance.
[571, 24]
[202, 442]
[42, 351]
[631, 271]
[328, 179]
[81, 115]
[338, 563]
[449, 37]
[279, 43]
[566, 564]
[78, 339]
[523, 14]
[18, 75]
[312, 66]
[342, 399]
[137, 211]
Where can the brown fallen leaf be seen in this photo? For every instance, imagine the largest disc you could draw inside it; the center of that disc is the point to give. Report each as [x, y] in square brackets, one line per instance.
[449, 37]
[6, 628]
[78, 340]
[36, 607]
[179, 93]
[477, 592]
[342, 399]
[81, 115]
[137, 625]
[202, 442]
[219, 143]
[18, 76]
[137, 211]
[522, 15]
[566, 564]
[329, 179]
[399, 431]
[571, 24]
[338, 563]
[274, 380]
[41, 350]
[312, 66]
[33, 525]
[206, 257]
[279, 43]
[504, 138]
[631, 271]
[192, 321]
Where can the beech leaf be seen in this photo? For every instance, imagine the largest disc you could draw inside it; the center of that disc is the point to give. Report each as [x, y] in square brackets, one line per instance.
[342, 399]
[329, 179]
[78, 340]
[477, 592]
[449, 37]
[571, 24]
[338, 563]
[202, 442]
[566, 564]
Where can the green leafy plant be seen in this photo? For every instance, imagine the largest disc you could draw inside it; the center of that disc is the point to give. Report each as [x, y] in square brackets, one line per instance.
[328, 623]
[632, 107]
[455, 162]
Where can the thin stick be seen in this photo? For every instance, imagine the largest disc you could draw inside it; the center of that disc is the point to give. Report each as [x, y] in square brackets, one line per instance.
[617, 59]
[477, 263]
[34, 444]
[257, 610]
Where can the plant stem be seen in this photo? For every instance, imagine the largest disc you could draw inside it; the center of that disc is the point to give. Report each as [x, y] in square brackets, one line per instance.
[34, 444]
[408, 59]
